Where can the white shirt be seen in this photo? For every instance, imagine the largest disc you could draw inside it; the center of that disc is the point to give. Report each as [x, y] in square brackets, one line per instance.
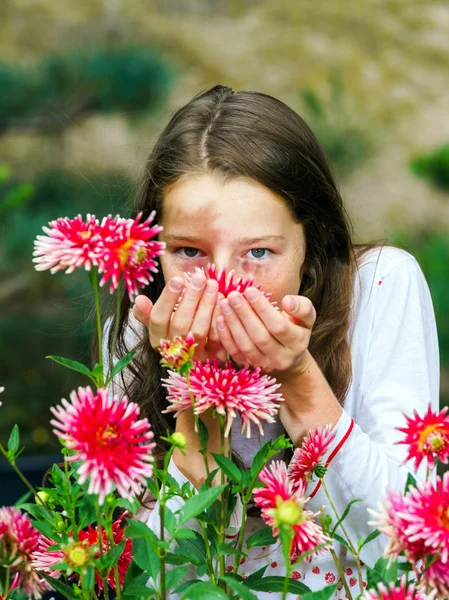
[395, 365]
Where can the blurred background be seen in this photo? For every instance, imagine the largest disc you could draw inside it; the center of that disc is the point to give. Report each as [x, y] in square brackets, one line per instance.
[87, 86]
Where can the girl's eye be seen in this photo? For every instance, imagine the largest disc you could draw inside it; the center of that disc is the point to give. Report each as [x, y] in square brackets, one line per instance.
[187, 252]
[259, 252]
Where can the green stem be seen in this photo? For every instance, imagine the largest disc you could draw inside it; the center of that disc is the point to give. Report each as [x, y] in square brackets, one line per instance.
[117, 319]
[8, 572]
[69, 501]
[104, 579]
[336, 561]
[354, 553]
[238, 556]
[286, 539]
[99, 329]
[210, 563]
[221, 535]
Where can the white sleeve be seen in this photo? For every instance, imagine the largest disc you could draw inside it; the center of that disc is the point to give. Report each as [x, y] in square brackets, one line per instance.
[402, 375]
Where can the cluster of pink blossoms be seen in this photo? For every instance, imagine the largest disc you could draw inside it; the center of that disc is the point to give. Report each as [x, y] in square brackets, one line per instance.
[307, 460]
[117, 246]
[401, 592]
[105, 434]
[18, 541]
[418, 525]
[229, 391]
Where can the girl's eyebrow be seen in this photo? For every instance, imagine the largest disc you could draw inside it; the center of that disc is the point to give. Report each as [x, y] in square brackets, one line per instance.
[169, 237]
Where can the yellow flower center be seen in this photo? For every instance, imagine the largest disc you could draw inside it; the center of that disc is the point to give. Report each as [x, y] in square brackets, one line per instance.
[108, 434]
[444, 516]
[85, 235]
[124, 251]
[437, 442]
[77, 554]
[425, 433]
[141, 255]
[287, 512]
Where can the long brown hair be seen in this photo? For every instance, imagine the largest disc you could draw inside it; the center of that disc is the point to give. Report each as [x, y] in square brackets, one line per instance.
[233, 134]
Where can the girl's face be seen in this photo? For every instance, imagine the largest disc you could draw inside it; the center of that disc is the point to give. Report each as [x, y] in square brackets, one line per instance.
[240, 225]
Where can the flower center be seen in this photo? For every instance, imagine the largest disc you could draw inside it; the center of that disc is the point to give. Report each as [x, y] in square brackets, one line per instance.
[108, 434]
[444, 516]
[124, 251]
[77, 554]
[425, 434]
[85, 235]
[287, 512]
[141, 255]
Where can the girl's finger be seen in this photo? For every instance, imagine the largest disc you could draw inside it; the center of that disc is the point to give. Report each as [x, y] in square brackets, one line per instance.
[214, 346]
[181, 322]
[240, 336]
[163, 309]
[142, 309]
[203, 316]
[228, 342]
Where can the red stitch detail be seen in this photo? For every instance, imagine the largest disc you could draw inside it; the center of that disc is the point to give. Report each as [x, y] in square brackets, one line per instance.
[349, 571]
[242, 561]
[334, 453]
[352, 581]
[296, 575]
[274, 564]
[316, 570]
[229, 569]
[380, 282]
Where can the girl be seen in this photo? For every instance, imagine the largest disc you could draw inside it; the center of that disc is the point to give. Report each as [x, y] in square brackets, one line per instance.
[238, 179]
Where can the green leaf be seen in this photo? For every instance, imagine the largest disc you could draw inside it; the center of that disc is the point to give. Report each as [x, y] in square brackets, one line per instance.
[22, 500]
[372, 536]
[97, 371]
[138, 588]
[227, 550]
[138, 529]
[343, 516]
[185, 534]
[89, 579]
[241, 589]
[146, 557]
[169, 520]
[174, 576]
[256, 576]
[204, 433]
[274, 583]
[373, 577]
[411, 482]
[228, 467]
[198, 504]
[59, 586]
[14, 439]
[122, 364]
[342, 540]
[204, 590]
[386, 571]
[261, 537]
[194, 549]
[323, 594]
[110, 559]
[72, 364]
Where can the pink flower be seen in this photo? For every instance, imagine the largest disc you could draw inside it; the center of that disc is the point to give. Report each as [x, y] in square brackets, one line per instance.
[282, 505]
[179, 353]
[45, 557]
[389, 520]
[18, 540]
[14, 585]
[395, 593]
[437, 577]
[129, 250]
[427, 437]
[226, 281]
[228, 390]
[69, 244]
[112, 444]
[307, 459]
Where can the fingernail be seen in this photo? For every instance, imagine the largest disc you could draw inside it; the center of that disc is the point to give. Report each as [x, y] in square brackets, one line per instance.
[235, 300]
[252, 295]
[211, 287]
[226, 308]
[176, 285]
[197, 282]
[221, 324]
[292, 303]
[219, 298]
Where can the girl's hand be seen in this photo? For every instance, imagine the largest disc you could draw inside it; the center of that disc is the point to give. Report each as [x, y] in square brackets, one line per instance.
[253, 331]
[197, 312]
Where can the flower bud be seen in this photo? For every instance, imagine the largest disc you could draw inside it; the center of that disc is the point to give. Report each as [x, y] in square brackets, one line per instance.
[178, 439]
[287, 512]
[43, 498]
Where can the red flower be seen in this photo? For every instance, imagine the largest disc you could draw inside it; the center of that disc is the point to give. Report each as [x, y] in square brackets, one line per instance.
[307, 459]
[427, 437]
[129, 250]
[113, 445]
[18, 540]
[228, 390]
[69, 244]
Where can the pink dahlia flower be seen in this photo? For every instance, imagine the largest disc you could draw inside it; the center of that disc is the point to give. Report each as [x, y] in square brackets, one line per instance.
[69, 244]
[129, 250]
[281, 504]
[307, 459]
[427, 437]
[228, 390]
[18, 540]
[436, 577]
[227, 282]
[178, 353]
[389, 520]
[49, 555]
[113, 445]
[393, 592]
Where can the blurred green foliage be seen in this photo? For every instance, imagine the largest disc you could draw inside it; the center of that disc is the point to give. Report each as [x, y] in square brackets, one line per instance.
[431, 248]
[334, 121]
[434, 167]
[46, 314]
[63, 88]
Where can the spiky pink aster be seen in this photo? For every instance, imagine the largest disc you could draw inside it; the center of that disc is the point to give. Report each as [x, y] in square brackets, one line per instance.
[227, 281]
[427, 437]
[230, 391]
[395, 592]
[307, 459]
[49, 555]
[18, 540]
[436, 577]
[278, 491]
[178, 353]
[69, 244]
[112, 443]
[129, 250]
[389, 520]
